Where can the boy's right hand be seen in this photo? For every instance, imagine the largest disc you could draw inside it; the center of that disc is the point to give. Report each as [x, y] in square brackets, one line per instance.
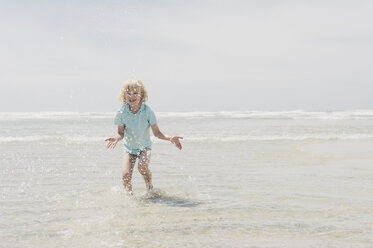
[175, 140]
[112, 142]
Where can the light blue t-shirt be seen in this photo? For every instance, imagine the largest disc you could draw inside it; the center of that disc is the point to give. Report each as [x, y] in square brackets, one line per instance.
[136, 132]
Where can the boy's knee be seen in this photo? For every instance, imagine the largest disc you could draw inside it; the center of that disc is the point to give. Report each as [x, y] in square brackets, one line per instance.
[126, 176]
[143, 170]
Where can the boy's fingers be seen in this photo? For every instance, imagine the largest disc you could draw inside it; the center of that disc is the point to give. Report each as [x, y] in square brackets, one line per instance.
[178, 145]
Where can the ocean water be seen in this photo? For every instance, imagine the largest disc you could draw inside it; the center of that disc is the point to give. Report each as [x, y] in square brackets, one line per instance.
[243, 179]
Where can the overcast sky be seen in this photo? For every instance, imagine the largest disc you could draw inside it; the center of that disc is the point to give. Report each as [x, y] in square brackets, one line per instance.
[192, 55]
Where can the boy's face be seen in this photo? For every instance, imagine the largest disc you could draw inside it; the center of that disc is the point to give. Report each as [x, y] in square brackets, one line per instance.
[133, 97]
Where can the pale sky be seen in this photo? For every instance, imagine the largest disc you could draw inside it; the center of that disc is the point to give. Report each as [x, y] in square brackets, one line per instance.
[192, 55]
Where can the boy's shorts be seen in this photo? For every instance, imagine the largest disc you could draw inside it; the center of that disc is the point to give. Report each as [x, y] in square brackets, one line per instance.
[136, 152]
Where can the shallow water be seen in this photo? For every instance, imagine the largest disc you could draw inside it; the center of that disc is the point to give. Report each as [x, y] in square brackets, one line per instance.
[243, 179]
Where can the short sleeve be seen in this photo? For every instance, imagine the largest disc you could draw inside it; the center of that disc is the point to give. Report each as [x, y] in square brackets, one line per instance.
[118, 120]
[151, 117]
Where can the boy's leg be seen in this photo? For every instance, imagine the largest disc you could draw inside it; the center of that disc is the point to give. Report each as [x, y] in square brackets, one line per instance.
[127, 169]
[143, 167]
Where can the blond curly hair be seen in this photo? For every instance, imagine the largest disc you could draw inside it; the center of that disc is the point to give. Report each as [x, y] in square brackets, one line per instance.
[130, 85]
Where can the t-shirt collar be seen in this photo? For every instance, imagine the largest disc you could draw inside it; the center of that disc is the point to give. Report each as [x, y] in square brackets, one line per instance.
[129, 111]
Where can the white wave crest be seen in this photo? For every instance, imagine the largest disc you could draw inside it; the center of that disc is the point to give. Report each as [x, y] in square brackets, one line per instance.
[188, 139]
[287, 115]
[12, 116]
[52, 138]
[276, 138]
[31, 138]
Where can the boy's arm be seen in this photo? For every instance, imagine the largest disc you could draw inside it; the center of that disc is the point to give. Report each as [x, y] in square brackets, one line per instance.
[157, 133]
[113, 141]
[120, 133]
[174, 139]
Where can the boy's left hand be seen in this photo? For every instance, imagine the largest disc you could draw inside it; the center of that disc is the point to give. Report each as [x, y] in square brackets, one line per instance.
[175, 140]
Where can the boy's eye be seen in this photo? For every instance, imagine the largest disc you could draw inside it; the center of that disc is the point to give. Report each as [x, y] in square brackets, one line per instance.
[132, 94]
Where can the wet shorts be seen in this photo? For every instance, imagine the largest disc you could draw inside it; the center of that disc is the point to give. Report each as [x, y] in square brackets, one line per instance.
[136, 152]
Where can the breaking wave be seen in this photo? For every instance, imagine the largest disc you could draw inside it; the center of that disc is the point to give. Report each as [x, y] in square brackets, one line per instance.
[52, 138]
[286, 115]
[190, 139]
